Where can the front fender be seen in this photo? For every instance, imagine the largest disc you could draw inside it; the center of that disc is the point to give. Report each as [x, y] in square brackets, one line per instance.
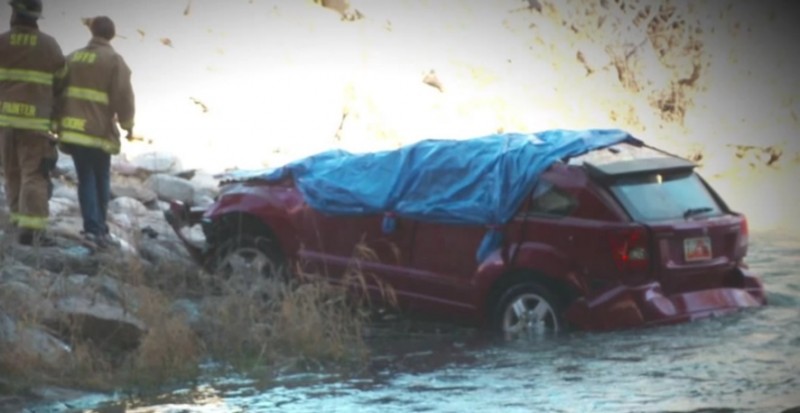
[269, 205]
[250, 199]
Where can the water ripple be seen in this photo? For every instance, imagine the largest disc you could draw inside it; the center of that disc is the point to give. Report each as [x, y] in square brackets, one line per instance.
[747, 362]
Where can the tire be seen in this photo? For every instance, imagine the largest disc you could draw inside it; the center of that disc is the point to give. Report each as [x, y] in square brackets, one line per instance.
[245, 262]
[528, 309]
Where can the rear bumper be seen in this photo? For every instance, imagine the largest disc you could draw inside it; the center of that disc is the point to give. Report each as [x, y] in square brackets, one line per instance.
[646, 305]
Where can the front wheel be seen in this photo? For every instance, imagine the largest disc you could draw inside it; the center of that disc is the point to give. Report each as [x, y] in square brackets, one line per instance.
[528, 309]
[246, 262]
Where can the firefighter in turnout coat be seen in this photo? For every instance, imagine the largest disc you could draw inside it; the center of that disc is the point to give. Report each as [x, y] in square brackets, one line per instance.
[30, 64]
[97, 96]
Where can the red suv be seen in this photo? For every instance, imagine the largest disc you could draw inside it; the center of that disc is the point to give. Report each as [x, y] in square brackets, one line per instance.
[618, 236]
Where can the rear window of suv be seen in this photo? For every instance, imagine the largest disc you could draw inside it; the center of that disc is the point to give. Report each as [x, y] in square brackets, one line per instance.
[656, 197]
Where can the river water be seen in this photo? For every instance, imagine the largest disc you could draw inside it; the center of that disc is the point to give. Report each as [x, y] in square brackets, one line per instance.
[745, 362]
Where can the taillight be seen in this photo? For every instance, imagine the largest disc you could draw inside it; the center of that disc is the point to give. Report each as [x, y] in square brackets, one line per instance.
[629, 248]
[744, 233]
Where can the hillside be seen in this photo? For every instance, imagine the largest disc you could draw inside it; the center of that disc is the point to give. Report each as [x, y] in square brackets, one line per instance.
[251, 83]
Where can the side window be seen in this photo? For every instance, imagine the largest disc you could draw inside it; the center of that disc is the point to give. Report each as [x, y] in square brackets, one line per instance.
[548, 200]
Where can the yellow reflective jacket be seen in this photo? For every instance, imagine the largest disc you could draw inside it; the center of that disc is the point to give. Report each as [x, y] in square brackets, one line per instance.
[96, 95]
[29, 63]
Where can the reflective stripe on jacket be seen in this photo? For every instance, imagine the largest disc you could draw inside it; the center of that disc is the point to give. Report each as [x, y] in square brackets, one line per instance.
[30, 61]
[29, 221]
[76, 138]
[97, 94]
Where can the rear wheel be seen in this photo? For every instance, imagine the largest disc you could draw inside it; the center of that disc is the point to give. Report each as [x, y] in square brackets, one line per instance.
[245, 262]
[528, 309]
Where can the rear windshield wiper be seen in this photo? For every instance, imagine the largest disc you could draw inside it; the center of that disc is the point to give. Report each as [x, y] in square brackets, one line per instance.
[696, 211]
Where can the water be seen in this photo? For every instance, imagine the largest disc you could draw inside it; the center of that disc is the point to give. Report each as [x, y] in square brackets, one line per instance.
[745, 362]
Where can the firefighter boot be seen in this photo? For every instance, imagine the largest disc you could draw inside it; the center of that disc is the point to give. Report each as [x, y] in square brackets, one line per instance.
[35, 238]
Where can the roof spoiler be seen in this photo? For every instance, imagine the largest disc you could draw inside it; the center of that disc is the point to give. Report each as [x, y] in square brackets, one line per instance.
[613, 170]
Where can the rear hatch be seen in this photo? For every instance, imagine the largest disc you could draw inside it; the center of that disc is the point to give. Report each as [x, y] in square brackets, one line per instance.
[695, 241]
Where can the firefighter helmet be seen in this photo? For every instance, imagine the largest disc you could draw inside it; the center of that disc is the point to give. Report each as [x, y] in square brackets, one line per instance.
[27, 8]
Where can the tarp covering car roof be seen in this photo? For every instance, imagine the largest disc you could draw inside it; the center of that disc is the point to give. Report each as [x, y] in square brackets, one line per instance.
[481, 181]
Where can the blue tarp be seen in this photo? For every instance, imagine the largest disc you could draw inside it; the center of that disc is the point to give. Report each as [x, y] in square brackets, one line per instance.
[479, 181]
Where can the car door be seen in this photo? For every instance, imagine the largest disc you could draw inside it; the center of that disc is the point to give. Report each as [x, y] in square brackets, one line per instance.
[443, 262]
[567, 213]
[354, 246]
[552, 223]
[444, 256]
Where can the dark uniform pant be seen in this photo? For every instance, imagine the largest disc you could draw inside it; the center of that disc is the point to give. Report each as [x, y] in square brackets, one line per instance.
[94, 186]
[27, 158]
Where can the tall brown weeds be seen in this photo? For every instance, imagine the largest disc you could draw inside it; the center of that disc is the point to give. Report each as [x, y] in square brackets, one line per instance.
[276, 323]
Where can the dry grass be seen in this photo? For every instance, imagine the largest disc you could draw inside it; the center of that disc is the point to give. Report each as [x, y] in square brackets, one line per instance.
[169, 351]
[316, 322]
[307, 320]
[274, 325]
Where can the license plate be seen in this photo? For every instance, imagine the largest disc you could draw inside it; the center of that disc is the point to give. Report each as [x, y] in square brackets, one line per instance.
[697, 249]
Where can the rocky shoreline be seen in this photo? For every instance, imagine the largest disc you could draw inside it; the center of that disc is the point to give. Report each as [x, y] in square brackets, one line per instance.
[52, 298]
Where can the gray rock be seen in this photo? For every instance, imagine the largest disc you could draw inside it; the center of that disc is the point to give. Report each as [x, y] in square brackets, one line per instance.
[157, 162]
[43, 261]
[32, 343]
[73, 285]
[156, 221]
[113, 290]
[8, 328]
[61, 397]
[195, 234]
[125, 245]
[24, 302]
[120, 165]
[187, 174]
[69, 192]
[189, 310]
[127, 206]
[157, 253]
[77, 252]
[100, 289]
[133, 189]
[171, 188]
[14, 272]
[109, 325]
[205, 183]
[202, 200]
[124, 222]
[62, 206]
[57, 399]
[65, 167]
[44, 346]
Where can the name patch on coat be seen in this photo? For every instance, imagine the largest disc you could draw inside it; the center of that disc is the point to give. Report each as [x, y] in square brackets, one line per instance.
[17, 109]
[84, 57]
[74, 123]
[23, 39]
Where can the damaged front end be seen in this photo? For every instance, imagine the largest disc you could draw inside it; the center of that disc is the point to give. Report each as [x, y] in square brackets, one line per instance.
[180, 216]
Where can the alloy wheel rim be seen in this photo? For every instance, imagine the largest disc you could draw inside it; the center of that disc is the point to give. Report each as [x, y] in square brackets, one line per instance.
[246, 259]
[244, 269]
[529, 314]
